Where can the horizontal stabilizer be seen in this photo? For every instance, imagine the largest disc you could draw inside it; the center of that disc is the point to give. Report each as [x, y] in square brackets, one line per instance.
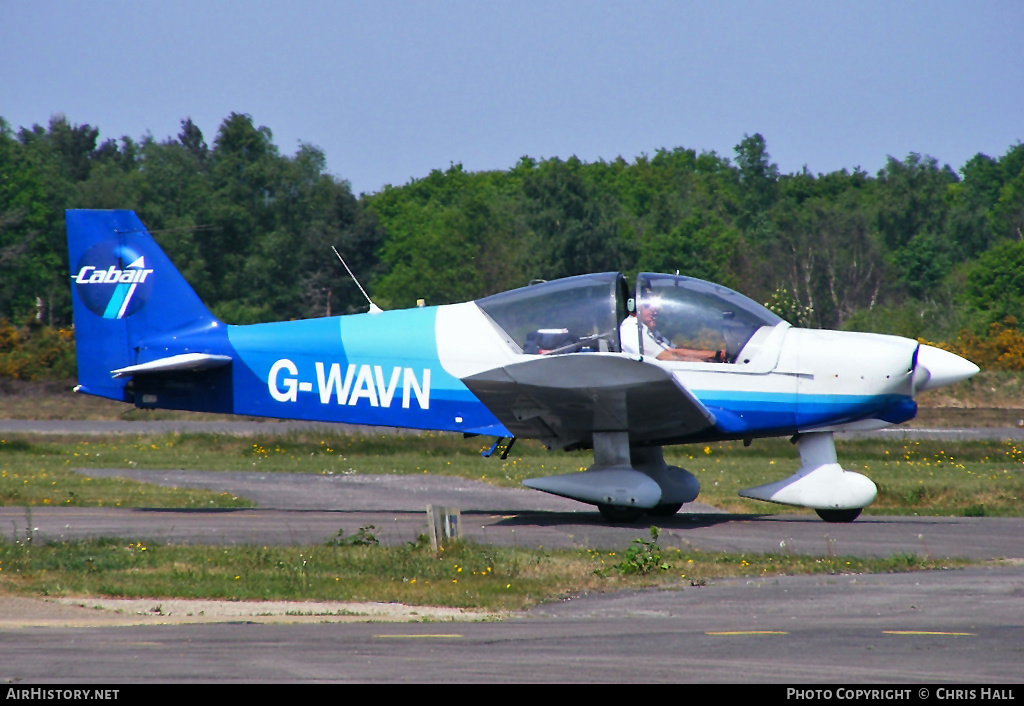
[185, 361]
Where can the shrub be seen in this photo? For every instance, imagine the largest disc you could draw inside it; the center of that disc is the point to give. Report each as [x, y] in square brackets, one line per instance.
[36, 352]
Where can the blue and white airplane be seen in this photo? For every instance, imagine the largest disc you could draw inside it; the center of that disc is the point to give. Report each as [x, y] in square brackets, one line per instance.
[581, 362]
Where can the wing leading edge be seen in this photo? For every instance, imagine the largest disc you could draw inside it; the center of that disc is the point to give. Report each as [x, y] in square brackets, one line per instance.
[564, 399]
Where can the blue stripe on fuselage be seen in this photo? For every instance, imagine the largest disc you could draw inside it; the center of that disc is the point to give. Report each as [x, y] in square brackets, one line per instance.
[378, 369]
[739, 413]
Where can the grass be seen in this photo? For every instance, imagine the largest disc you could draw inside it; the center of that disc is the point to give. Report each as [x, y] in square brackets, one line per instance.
[927, 478]
[464, 575]
[40, 474]
[913, 478]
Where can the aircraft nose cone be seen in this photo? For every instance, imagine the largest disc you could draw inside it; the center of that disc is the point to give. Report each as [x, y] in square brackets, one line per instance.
[937, 368]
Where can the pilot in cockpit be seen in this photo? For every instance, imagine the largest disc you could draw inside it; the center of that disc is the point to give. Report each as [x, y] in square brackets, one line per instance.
[654, 343]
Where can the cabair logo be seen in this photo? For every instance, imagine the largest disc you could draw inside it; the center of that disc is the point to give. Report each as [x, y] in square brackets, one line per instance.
[112, 280]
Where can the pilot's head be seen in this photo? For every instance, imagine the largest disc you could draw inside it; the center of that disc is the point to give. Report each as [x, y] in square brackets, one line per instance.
[649, 305]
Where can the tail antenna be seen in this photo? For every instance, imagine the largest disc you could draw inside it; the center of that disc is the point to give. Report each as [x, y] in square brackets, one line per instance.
[374, 309]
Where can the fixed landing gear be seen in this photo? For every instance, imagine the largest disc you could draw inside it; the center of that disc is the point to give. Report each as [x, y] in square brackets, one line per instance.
[819, 482]
[625, 481]
[665, 509]
[839, 515]
[624, 514]
[620, 513]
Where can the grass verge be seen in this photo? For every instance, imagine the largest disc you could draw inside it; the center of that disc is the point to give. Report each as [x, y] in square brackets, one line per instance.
[979, 478]
[982, 478]
[465, 575]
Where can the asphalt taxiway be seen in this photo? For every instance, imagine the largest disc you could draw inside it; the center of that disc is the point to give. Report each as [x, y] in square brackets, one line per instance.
[310, 509]
[942, 628]
[955, 626]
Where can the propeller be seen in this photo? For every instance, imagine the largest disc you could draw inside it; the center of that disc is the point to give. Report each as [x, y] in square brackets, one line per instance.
[934, 367]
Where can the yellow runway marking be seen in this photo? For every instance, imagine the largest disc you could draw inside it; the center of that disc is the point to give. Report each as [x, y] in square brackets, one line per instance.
[924, 632]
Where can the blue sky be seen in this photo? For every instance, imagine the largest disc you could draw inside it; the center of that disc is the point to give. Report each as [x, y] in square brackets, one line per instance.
[390, 90]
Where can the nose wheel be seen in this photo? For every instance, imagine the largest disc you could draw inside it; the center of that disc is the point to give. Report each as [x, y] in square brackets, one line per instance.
[839, 515]
[820, 483]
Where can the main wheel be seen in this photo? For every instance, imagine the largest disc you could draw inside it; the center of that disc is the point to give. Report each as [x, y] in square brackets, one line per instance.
[665, 510]
[620, 513]
[839, 515]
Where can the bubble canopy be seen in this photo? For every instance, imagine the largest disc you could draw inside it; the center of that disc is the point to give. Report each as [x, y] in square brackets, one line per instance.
[589, 313]
[695, 314]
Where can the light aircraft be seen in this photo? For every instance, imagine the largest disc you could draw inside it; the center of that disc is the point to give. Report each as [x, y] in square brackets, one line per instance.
[578, 363]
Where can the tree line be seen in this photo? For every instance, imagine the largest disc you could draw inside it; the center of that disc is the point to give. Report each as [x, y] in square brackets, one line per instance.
[918, 249]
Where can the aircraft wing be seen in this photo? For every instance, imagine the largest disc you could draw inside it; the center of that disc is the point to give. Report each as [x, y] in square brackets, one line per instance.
[564, 399]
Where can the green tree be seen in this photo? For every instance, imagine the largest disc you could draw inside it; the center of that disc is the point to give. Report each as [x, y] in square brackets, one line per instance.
[75, 145]
[439, 233]
[758, 185]
[825, 256]
[33, 250]
[995, 283]
[573, 223]
[1007, 215]
[912, 210]
[970, 202]
[701, 245]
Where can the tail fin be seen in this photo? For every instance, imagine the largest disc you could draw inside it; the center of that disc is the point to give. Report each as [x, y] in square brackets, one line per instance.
[131, 306]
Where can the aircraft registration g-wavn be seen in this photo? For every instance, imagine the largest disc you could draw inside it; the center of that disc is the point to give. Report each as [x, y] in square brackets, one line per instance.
[578, 363]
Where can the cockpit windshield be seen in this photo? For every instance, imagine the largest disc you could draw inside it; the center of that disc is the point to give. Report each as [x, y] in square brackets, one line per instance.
[689, 314]
[590, 313]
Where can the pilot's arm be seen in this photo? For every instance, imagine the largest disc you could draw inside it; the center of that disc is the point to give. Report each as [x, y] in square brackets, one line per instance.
[629, 335]
[693, 355]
